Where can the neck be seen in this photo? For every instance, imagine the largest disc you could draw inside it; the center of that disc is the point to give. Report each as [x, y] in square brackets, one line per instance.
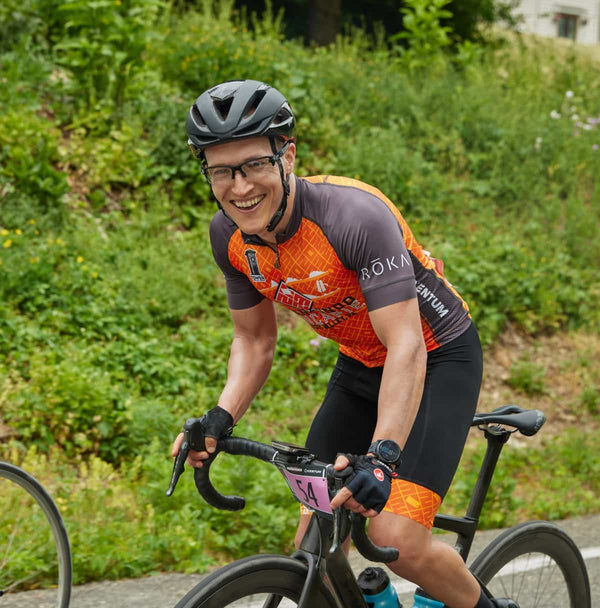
[271, 237]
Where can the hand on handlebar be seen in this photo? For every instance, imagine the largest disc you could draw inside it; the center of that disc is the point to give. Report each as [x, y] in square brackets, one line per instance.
[368, 487]
[195, 458]
[216, 423]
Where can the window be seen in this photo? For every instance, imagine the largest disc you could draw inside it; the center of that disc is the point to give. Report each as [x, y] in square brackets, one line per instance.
[567, 25]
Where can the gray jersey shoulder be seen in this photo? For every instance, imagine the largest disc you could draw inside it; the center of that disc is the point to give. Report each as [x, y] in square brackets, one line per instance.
[366, 236]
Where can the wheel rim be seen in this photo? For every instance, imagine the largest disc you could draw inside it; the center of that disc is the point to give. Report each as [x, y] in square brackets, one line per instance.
[531, 579]
[29, 557]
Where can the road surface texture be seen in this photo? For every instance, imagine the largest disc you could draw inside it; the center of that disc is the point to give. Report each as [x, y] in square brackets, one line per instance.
[164, 590]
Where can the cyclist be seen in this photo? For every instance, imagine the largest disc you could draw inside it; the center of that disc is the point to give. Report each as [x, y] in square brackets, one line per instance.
[337, 252]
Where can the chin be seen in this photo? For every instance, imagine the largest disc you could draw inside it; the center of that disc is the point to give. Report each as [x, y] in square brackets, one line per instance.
[251, 226]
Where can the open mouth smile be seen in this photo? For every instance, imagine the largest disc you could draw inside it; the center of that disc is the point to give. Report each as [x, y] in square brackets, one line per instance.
[249, 204]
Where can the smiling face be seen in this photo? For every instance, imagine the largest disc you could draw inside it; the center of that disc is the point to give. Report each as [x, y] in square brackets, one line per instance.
[252, 201]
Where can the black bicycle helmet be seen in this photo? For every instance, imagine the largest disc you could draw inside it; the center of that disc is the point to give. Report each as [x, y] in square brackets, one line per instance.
[235, 110]
[239, 109]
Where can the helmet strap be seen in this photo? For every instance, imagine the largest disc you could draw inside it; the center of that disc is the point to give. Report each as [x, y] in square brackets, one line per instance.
[285, 182]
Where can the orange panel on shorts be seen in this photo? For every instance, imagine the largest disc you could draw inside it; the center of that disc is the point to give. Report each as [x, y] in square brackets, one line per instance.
[413, 501]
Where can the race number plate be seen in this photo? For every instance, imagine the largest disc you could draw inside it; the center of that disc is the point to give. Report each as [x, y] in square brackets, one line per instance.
[309, 486]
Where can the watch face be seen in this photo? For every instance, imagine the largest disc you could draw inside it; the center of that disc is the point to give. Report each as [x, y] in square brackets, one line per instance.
[389, 451]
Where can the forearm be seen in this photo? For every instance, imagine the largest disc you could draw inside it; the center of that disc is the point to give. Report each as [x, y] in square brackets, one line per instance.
[401, 390]
[249, 365]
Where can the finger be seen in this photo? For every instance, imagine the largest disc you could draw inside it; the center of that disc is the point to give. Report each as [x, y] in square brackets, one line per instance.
[176, 445]
[353, 505]
[340, 498]
[211, 444]
[195, 459]
[370, 513]
[341, 462]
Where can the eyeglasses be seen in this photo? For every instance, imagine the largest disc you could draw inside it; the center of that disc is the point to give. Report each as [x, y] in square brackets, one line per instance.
[249, 169]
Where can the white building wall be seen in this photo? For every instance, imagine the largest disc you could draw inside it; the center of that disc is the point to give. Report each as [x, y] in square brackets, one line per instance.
[539, 17]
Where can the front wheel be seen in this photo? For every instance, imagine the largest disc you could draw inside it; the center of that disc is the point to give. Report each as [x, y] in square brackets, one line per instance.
[260, 581]
[535, 564]
[34, 546]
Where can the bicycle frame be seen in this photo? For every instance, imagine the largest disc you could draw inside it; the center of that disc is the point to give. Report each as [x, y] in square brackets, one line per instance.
[325, 559]
[466, 526]
[322, 552]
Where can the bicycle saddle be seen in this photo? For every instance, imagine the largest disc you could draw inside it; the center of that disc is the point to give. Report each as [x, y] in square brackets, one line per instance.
[527, 422]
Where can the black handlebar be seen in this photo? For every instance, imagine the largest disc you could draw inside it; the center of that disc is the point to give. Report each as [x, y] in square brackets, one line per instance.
[239, 446]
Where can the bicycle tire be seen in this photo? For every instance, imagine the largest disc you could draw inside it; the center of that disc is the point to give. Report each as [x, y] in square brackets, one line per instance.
[535, 564]
[61, 551]
[254, 582]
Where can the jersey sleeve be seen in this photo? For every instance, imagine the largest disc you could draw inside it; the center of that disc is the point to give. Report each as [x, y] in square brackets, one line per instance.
[372, 244]
[241, 293]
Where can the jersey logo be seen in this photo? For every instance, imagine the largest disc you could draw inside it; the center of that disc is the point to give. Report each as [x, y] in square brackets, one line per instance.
[255, 274]
[379, 474]
[290, 297]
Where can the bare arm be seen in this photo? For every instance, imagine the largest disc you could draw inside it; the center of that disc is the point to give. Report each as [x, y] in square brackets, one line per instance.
[398, 326]
[250, 360]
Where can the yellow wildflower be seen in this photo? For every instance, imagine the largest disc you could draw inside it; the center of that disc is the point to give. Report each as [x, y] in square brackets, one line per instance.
[4, 232]
[7, 243]
[79, 259]
[18, 231]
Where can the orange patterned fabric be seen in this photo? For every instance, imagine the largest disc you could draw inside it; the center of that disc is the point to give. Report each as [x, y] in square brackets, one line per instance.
[323, 308]
[316, 284]
[413, 501]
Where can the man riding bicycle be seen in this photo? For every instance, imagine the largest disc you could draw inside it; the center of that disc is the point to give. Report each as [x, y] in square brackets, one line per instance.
[338, 253]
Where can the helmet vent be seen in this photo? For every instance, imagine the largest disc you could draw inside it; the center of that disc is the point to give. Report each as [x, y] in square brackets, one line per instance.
[254, 102]
[223, 106]
[197, 117]
[282, 116]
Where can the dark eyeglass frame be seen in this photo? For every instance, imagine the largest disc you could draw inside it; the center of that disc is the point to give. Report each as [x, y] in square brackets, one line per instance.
[274, 158]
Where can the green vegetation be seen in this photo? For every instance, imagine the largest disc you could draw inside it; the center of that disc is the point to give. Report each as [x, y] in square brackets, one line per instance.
[113, 321]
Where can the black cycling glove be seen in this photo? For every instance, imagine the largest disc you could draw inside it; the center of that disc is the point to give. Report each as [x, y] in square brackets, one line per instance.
[371, 482]
[216, 423]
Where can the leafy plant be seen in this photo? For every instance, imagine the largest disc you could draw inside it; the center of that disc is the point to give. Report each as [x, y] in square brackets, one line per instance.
[425, 35]
[102, 46]
[527, 377]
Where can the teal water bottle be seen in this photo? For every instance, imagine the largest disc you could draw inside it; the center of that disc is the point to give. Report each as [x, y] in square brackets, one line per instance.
[422, 600]
[377, 589]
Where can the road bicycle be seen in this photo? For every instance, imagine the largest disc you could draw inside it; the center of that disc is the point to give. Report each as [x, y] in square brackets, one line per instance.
[34, 545]
[534, 563]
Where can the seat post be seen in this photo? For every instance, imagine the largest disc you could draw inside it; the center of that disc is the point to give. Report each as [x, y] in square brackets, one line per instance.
[496, 437]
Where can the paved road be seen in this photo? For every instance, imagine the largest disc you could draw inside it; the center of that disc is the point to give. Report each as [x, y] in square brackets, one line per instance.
[163, 591]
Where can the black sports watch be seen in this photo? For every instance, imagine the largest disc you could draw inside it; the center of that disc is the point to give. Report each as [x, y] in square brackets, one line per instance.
[386, 450]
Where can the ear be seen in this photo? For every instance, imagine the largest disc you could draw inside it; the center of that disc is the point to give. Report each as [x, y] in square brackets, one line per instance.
[289, 158]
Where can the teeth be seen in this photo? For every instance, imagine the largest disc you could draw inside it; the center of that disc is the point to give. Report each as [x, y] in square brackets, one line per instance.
[246, 204]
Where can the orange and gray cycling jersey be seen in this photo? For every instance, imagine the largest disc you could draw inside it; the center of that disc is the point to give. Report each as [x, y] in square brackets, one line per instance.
[346, 250]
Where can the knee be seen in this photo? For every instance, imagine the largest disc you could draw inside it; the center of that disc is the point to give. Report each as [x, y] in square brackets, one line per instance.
[413, 549]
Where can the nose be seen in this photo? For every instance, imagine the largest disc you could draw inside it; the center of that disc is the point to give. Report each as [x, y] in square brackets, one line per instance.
[240, 184]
